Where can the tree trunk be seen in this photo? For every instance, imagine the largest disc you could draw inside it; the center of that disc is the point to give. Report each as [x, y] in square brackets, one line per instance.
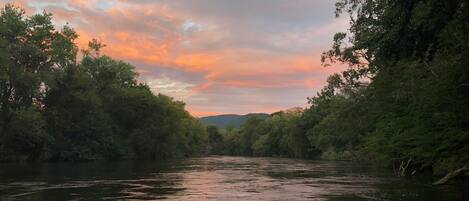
[450, 175]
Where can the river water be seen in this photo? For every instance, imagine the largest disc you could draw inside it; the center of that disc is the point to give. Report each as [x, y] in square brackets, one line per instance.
[217, 178]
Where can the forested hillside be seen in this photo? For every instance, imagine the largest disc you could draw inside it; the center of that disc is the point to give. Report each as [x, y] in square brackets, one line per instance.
[56, 107]
[230, 120]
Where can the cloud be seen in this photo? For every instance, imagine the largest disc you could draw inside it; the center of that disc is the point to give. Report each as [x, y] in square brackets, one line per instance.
[174, 88]
[219, 56]
[243, 100]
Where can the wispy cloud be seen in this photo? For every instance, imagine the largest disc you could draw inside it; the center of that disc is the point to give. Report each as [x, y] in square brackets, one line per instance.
[219, 56]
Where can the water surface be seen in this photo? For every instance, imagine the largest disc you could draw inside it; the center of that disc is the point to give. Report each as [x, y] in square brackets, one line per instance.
[217, 178]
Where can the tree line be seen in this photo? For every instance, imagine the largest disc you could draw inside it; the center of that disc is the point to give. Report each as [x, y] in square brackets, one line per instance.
[55, 107]
[403, 100]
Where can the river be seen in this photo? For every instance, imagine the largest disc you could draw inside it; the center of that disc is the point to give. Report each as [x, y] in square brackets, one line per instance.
[217, 178]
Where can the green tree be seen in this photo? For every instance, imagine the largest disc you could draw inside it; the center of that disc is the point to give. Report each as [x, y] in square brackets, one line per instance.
[26, 138]
[249, 133]
[413, 53]
[30, 51]
[76, 119]
[215, 140]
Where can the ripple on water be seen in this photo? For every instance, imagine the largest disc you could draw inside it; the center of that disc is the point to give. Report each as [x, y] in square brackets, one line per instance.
[217, 178]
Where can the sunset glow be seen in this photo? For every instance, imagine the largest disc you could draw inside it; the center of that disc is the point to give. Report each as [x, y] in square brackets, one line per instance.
[219, 56]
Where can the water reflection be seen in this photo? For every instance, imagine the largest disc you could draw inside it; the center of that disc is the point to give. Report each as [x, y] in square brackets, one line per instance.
[215, 178]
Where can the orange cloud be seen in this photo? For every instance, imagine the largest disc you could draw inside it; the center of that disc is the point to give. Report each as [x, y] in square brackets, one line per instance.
[79, 3]
[198, 61]
[230, 50]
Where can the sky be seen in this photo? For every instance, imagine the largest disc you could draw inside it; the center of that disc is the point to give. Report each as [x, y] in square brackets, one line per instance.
[218, 56]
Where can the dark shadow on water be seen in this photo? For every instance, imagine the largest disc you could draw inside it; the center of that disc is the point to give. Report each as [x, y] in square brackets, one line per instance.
[217, 178]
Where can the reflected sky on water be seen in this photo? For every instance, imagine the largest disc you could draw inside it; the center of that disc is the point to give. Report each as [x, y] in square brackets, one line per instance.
[217, 178]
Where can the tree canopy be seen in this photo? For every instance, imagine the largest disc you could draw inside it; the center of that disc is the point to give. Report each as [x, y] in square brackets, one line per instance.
[56, 107]
[403, 100]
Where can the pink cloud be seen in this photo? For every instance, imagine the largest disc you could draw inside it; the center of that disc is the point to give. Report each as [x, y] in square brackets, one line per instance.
[266, 51]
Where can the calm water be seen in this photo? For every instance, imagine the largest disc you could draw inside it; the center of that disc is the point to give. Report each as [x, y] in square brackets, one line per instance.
[216, 178]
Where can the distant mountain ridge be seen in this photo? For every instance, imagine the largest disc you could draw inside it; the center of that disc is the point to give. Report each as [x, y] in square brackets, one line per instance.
[226, 120]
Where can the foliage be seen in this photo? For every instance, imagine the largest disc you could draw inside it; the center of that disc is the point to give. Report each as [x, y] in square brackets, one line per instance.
[26, 139]
[403, 99]
[55, 108]
[215, 140]
[415, 54]
[230, 120]
[278, 135]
